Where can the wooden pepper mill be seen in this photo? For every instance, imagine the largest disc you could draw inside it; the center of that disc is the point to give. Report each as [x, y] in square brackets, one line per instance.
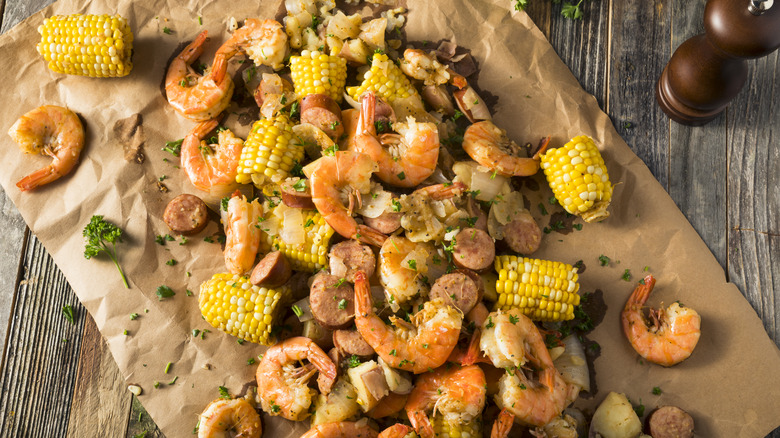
[708, 70]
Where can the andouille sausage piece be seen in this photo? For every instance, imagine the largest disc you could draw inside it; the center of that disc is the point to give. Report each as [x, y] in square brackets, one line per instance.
[523, 234]
[324, 113]
[296, 193]
[456, 289]
[350, 256]
[186, 214]
[332, 301]
[351, 342]
[474, 249]
[477, 280]
[385, 223]
[670, 422]
[273, 270]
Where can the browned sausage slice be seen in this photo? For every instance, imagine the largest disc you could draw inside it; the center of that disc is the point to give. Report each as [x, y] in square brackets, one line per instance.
[523, 234]
[477, 280]
[456, 289]
[351, 342]
[272, 270]
[332, 301]
[324, 113]
[385, 223]
[670, 422]
[350, 256]
[474, 249]
[186, 214]
[296, 193]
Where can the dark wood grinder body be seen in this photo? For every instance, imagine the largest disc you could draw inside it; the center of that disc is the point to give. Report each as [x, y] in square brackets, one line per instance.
[708, 70]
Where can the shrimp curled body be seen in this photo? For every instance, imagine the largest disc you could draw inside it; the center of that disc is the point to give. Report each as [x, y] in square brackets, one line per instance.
[488, 145]
[235, 415]
[282, 386]
[671, 337]
[49, 130]
[419, 346]
[242, 232]
[342, 429]
[211, 170]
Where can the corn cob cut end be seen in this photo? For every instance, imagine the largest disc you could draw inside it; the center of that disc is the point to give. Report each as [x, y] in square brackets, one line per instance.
[543, 290]
[311, 255]
[88, 45]
[579, 179]
[232, 304]
[268, 153]
[314, 72]
[385, 79]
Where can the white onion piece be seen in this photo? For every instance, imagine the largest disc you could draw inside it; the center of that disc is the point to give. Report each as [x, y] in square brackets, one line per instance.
[487, 184]
[305, 307]
[293, 232]
[376, 202]
[572, 364]
[352, 102]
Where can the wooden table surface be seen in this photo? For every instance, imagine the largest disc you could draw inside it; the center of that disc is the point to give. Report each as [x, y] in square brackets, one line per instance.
[59, 379]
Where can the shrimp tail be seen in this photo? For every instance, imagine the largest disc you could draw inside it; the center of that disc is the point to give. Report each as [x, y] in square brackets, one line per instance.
[194, 49]
[218, 69]
[543, 144]
[370, 236]
[39, 178]
[362, 296]
[421, 424]
[367, 109]
[503, 424]
[641, 293]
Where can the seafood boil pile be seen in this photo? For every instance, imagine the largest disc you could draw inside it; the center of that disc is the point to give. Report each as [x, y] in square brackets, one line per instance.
[376, 233]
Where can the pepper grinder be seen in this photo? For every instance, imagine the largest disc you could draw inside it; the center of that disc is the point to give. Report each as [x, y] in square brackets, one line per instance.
[708, 70]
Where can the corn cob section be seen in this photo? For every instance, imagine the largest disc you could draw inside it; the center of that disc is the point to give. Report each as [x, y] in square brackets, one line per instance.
[318, 73]
[543, 290]
[232, 304]
[268, 153]
[385, 79]
[579, 179]
[97, 46]
[445, 429]
[312, 254]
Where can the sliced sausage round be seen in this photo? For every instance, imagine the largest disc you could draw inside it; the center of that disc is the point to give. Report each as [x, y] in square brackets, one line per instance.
[523, 234]
[385, 223]
[474, 249]
[332, 301]
[186, 214]
[296, 193]
[298, 285]
[477, 280]
[670, 422]
[272, 270]
[324, 113]
[456, 289]
[351, 342]
[475, 211]
[350, 256]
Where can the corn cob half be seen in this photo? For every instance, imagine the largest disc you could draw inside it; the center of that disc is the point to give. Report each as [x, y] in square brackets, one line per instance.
[385, 79]
[232, 304]
[543, 290]
[318, 73]
[447, 429]
[579, 179]
[268, 154]
[312, 254]
[88, 45]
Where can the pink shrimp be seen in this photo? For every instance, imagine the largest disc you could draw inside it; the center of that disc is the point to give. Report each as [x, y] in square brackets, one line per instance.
[488, 145]
[242, 232]
[342, 429]
[235, 415]
[211, 168]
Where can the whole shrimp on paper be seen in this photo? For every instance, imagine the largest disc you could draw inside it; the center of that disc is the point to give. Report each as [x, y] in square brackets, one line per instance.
[49, 130]
[225, 416]
[488, 145]
[672, 335]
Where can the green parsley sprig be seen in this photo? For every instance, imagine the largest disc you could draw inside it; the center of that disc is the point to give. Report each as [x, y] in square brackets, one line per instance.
[569, 10]
[100, 233]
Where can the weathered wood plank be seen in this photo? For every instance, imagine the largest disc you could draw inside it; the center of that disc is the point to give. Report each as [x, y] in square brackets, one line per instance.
[639, 41]
[697, 155]
[100, 398]
[41, 353]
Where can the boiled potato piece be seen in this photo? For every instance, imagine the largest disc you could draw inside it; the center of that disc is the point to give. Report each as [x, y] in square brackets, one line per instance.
[397, 380]
[339, 405]
[370, 384]
[319, 334]
[615, 418]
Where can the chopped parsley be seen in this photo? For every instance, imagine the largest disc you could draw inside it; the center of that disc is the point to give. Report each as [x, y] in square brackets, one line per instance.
[353, 361]
[297, 311]
[223, 392]
[174, 147]
[396, 205]
[626, 275]
[656, 390]
[171, 262]
[133, 316]
[412, 264]
[164, 292]
[331, 151]
[603, 260]
[401, 176]
[67, 310]
[514, 319]
[224, 203]
[162, 239]
[300, 185]
[542, 209]
[343, 304]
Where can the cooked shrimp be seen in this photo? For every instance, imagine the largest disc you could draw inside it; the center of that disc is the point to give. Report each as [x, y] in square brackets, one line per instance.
[672, 334]
[391, 404]
[211, 168]
[264, 41]
[510, 339]
[242, 232]
[402, 269]
[405, 159]
[342, 175]
[398, 431]
[282, 386]
[489, 146]
[533, 402]
[425, 67]
[502, 425]
[428, 211]
[236, 416]
[49, 130]
[457, 393]
[342, 429]
[193, 96]
[423, 344]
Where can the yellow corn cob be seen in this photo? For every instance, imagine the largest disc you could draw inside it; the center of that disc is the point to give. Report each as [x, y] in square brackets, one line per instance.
[234, 305]
[97, 46]
[268, 154]
[385, 79]
[541, 289]
[318, 73]
[309, 256]
[579, 179]
[445, 429]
